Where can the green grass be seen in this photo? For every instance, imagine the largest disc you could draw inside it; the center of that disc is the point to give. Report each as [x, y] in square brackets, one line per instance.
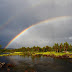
[14, 53]
[37, 53]
[54, 53]
[50, 53]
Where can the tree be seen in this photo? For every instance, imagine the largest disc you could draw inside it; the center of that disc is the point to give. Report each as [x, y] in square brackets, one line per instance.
[38, 48]
[70, 48]
[56, 46]
[54, 49]
[47, 48]
[61, 46]
[67, 46]
[64, 46]
[43, 49]
[23, 49]
[28, 49]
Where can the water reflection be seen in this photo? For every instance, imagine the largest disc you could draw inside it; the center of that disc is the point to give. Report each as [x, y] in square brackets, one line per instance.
[37, 64]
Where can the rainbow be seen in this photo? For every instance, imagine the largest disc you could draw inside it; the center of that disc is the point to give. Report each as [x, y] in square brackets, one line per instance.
[8, 22]
[45, 21]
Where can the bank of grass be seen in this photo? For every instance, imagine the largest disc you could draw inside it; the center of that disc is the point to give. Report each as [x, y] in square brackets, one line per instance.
[12, 54]
[52, 53]
[55, 54]
[69, 54]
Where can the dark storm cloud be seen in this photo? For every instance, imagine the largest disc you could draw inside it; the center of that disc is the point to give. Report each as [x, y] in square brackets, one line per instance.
[28, 12]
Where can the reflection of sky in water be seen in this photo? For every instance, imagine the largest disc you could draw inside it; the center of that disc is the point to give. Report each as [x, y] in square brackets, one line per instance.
[19, 58]
[29, 60]
[41, 64]
[4, 59]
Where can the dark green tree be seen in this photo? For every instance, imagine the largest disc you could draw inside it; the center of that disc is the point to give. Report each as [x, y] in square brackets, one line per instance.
[0, 46]
[64, 46]
[67, 46]
[56, 47]
[61, 46]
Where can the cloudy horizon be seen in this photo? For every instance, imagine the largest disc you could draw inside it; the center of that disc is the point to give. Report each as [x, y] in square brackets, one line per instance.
[17, 15]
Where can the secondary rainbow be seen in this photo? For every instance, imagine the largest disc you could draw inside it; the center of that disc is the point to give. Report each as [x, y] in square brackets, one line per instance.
[45, 21]
[13, 17]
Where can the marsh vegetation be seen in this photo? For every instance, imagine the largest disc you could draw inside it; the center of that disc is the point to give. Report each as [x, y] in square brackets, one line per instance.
[57, 50]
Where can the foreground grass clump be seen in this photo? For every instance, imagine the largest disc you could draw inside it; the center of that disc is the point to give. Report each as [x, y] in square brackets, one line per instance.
[50, 53]
[54, 54]
[14, 53]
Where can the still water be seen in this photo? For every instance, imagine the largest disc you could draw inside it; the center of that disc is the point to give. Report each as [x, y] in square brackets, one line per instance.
[37, 64]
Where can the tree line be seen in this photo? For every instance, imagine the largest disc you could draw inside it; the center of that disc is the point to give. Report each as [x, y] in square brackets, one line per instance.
[56, 47]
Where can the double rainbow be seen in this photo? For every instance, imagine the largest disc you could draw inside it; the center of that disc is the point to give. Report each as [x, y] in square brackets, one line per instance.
[45, 21]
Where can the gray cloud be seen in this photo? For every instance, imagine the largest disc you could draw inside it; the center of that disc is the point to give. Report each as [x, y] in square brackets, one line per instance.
[45, 34]
[23, 13]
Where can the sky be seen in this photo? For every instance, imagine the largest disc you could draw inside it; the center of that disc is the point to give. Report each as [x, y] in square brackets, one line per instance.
[17, 15]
